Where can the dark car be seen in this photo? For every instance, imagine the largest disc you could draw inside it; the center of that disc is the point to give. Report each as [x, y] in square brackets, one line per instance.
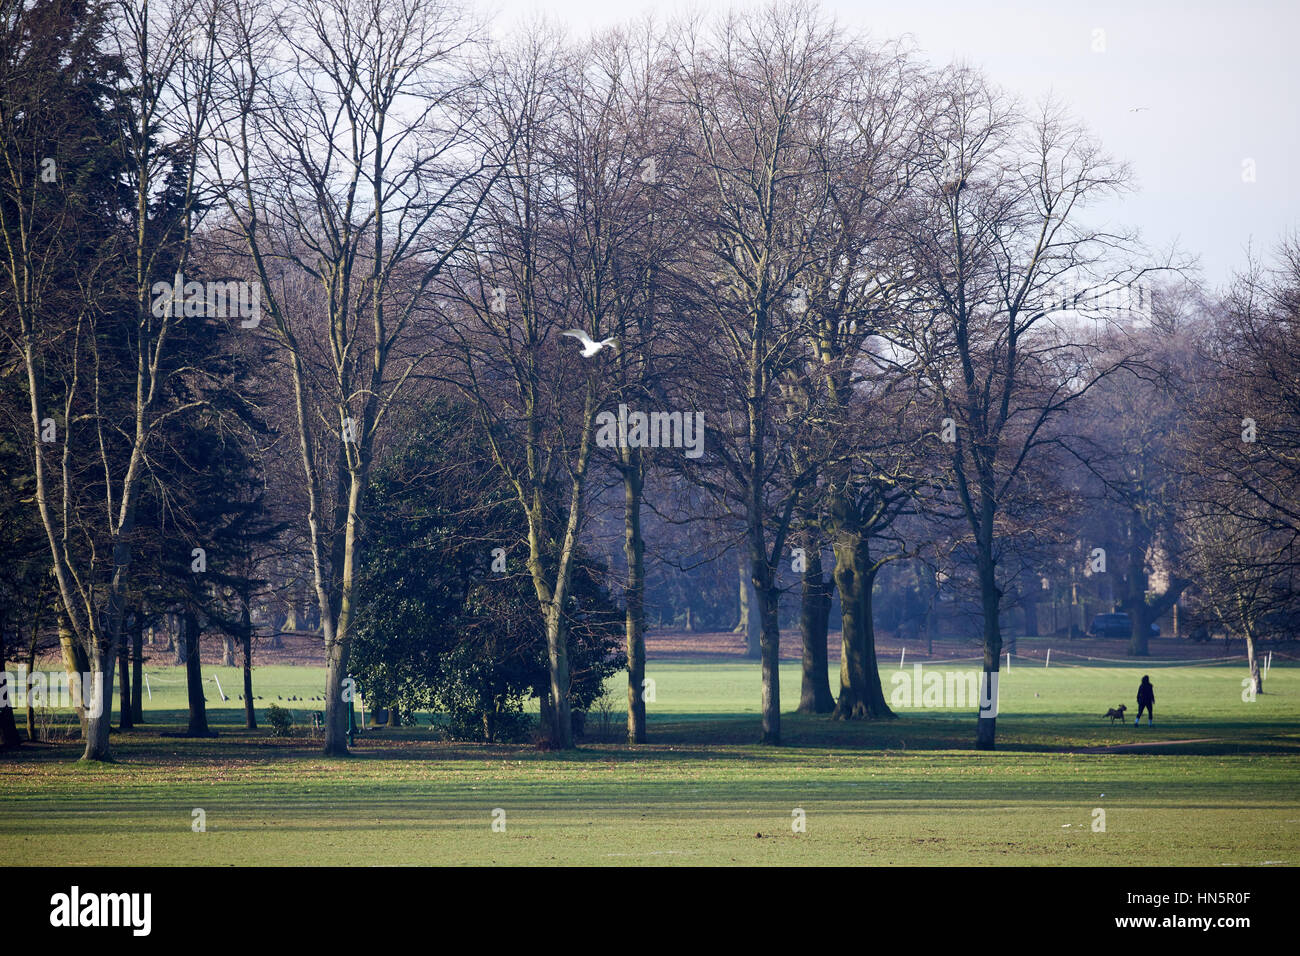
[1116, 625]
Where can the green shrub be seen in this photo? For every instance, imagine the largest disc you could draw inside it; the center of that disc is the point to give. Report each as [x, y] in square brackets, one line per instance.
[436, 628]
[281, 721]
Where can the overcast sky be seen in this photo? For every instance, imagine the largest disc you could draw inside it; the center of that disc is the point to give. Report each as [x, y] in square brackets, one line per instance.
[1218, 80]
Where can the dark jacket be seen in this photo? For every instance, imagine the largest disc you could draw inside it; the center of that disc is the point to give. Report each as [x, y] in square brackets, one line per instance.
[1146, 694]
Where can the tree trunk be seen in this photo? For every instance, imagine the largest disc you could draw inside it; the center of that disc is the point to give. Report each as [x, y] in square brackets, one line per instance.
[1256, 677]
[546, 717]
[227, 651]
[552, 594]
[814, 619]
[1135, 600]
[99, 712]
[932, 612]
[770, 638]
[125, 710]
[75, 664]
[8, 726]
[742, 596]
[246, 637]
[336, 710]
[634, 597]
[1140, 635]
[335, 606]
[194, 676]
[750, 616]
[991, 601]
[861, 695]
[137, 670]
[557, 649]
[753, 626]
[31, 667]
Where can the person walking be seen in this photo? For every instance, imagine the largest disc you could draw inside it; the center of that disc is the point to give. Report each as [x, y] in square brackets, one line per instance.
[1146, 701]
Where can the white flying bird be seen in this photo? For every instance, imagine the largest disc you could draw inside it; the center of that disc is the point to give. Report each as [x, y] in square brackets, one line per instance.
[589, 346]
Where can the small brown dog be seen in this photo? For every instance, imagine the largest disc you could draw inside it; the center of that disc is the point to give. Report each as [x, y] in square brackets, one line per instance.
[1115, 713]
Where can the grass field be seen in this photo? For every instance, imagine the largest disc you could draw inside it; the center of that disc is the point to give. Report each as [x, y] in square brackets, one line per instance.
[1213, 782]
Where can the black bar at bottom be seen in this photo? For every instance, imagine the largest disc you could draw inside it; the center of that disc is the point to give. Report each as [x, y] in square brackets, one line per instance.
[223, 906]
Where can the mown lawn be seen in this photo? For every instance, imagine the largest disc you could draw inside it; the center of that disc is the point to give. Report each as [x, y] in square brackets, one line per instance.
[907, 791]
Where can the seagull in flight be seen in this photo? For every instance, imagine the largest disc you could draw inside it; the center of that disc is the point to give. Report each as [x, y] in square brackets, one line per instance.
[589, 346]
[1139, 109]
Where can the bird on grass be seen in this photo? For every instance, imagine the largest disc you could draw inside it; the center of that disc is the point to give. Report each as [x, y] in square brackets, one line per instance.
[589, 345]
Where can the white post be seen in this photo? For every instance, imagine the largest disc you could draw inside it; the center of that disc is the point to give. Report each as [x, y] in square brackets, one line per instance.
[1049, 658]
[219, 690]
[900, 658]
[148, 689]
[1008, 662]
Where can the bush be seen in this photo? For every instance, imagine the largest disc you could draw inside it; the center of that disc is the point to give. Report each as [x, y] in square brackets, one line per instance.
[435, 627]
[281, 721]
[483, 696]
[508, 726]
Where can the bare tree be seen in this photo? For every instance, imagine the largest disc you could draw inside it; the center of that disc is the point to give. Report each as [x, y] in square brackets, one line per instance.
[631, 200]
[541, 263]
[1000, 228]
[1237, 575]
[1241, 511]
[1127, 437]
[349, 180]
[852, 375]
[757, 91]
